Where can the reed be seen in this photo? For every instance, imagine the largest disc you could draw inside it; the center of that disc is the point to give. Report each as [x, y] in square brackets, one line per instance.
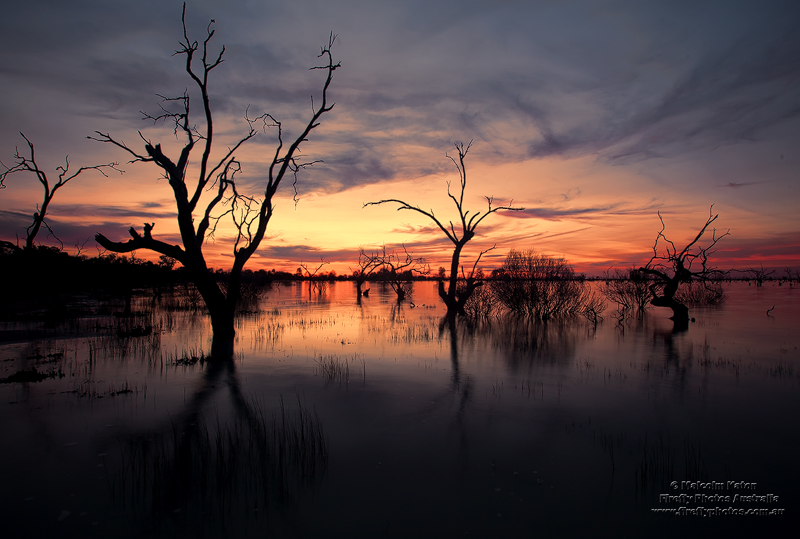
[334, 368]
[217, 469]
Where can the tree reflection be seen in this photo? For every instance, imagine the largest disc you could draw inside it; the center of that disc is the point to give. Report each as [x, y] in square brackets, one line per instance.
[209, 468]
[461, 387]
[524, 342]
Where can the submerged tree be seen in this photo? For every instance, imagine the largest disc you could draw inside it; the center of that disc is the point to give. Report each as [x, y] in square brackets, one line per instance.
[455, 296]
[368, 263]
[250, 215]
[398, 270]
[316, 283]
[671, 267]
[759, 274]
[629, 290]
[29, 164]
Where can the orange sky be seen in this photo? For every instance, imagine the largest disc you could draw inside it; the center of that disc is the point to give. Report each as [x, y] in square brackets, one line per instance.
[593, 128]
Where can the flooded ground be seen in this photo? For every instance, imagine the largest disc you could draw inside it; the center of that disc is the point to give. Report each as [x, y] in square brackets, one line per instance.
[379, 420]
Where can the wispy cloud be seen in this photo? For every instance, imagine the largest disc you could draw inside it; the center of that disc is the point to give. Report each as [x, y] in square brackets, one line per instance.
[100, 210]
[738, 185]
[635, 84]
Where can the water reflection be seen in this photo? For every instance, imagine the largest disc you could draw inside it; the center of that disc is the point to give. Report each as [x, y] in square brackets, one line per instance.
[437, 434]
[203, 469]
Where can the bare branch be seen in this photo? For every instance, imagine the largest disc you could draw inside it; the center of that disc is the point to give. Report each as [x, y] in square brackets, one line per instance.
[406, 206]
[478, 259]
[216, 171]
[312, 274]
[105, 137]
[138, 241]
[29, 164]
[453, 298]
[673, 267]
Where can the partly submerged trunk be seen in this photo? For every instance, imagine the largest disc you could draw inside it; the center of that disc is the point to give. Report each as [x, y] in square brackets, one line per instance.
[455, 302]
[680, 312]
[221, 309]
[222, 346]
[449, 296]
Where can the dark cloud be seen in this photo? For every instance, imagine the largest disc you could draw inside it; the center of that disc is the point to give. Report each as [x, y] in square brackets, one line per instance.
[628, 83]
[737, 185]
[556, 213]
[639, 90]
[95, 210]
[781, 248]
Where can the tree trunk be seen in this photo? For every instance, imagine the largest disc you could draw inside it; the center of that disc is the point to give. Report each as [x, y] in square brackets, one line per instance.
[449, 296]
[221, 310]
[680, 312]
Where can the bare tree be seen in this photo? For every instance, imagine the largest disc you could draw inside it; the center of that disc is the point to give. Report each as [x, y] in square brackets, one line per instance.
[250, 215]
[368, 263]
[455, 297]
[29, 164]
[314, 281]
[671, 267]
[760, 274]
[399, 269]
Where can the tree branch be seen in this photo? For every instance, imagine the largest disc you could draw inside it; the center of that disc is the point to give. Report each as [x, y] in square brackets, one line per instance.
[138, 241]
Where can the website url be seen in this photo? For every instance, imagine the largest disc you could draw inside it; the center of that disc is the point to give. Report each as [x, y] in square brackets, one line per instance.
[718, 511]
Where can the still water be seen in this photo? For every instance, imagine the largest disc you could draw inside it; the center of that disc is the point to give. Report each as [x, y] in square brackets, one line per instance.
[340, 419]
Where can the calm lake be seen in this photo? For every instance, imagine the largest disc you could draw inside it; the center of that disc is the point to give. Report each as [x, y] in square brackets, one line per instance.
[339, 419]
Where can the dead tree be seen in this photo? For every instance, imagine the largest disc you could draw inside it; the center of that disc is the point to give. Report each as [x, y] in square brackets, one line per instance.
[29, 164]
[671, 267]
[760, 274]
[368, 263]
[399, 270]
[315, 283]
[250, 215]
[455, 297]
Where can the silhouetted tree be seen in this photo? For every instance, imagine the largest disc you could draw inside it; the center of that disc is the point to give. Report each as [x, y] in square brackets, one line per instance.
[250, 215]
[29, 164]
[315, 282]
[759, 274]
[400, 270]
[455, 297]
[368, 263]
[671, 267]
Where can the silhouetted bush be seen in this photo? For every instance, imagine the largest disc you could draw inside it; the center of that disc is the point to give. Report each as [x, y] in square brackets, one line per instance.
[538, 286]
[701, 293]
[482, 303]
[629, 290]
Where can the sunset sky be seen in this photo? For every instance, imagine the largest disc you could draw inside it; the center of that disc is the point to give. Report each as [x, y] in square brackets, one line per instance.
[592, 115]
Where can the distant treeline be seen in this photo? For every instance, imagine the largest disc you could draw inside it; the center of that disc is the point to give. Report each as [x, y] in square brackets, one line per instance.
[46, 270]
